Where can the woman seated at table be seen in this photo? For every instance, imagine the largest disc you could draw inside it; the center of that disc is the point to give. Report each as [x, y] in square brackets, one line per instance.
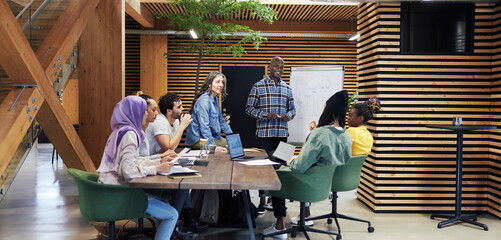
[120, 162]
[362, 139]
[328, 144]
[208, 121]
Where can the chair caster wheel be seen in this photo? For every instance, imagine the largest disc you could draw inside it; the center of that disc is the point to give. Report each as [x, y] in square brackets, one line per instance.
[338, 237]
[486, 228]
[293, 234]
[432, 217]
[370, 229]
[329, 220]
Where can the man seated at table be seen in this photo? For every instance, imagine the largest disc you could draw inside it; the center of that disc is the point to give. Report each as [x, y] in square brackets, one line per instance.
[165, 134]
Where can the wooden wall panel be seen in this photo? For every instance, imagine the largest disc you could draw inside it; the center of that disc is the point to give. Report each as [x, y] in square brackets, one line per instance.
[153, 65]
[411, 167]
[101, 83]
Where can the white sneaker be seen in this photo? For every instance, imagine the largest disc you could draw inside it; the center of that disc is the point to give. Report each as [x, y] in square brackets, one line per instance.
[268, 206]
[295, 220]
[272, 229]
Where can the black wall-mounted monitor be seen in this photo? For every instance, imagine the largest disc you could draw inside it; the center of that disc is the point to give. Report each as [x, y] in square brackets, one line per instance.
[437, 28]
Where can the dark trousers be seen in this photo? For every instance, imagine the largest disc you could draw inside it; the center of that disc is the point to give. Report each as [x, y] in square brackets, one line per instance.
[269, 145]
[278, 206]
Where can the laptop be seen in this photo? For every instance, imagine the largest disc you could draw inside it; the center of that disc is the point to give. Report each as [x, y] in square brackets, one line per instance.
[236, 150]
[284, 151]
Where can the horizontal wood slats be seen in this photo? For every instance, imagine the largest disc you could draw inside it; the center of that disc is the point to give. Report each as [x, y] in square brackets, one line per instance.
[296, 52]
[412, 168]
[285, 12]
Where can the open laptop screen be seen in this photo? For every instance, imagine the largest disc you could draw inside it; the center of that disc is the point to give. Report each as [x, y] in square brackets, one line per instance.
[235, 145]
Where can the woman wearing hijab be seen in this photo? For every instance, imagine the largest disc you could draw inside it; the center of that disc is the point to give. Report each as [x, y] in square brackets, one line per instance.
[120, 163]
[327, 145]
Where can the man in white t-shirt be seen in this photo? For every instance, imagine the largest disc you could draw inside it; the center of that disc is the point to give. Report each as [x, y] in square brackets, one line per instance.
[166, 131]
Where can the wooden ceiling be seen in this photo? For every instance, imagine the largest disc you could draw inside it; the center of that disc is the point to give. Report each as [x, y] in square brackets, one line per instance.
[285, 12]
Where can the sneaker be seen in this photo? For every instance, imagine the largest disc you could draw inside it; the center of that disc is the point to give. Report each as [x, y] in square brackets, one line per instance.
[268, 206]
[295, 220]
[260, 209]
[272, 229]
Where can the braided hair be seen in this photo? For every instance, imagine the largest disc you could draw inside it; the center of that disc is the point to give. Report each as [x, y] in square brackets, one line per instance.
[368, 108]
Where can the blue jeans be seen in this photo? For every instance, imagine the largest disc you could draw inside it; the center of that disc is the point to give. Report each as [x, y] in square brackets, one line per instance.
[165, 213]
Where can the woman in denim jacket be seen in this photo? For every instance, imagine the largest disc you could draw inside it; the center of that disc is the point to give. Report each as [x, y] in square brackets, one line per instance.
[208, 121]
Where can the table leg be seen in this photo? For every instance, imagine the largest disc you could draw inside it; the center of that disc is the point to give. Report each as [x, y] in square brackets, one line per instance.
[250, 222]
[459, 192]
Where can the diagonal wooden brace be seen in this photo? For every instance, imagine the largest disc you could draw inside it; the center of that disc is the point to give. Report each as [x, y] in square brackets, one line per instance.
[23, 67]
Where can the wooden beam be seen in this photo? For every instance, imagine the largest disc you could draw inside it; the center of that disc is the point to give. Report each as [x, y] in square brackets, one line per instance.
[101, 74]
[153, 65]
[139, 13]
[53, 53]
[23, 67]
[16, 122]
[284, 26]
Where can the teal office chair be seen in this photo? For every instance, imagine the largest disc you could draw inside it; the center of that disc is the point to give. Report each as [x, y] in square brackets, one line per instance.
[109, 203]
[346, 178]
[311, 186]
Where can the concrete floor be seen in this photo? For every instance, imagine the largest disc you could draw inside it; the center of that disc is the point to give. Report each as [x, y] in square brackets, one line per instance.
[42, 203]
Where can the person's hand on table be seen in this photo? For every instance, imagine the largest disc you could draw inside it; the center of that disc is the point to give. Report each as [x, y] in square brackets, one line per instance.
[220, 149]
[164, 167]
[166, 159]
[168, 153]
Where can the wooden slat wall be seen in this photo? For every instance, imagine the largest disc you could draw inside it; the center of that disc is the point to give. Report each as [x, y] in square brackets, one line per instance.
[494, 184]
[295, 52]
[411, 167]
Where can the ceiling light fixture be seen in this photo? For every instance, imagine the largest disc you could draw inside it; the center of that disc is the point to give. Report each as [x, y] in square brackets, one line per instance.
[193, 34]
[354, 37]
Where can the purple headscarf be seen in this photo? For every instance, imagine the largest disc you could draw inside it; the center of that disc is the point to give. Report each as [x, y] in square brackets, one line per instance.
[127, 116]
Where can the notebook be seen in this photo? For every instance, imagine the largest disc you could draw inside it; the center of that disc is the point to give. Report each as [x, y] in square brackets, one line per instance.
[284, 151]
[236, 149]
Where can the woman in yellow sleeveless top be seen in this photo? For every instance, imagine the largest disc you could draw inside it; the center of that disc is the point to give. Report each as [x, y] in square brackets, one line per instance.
[362, 139]
[358, 117]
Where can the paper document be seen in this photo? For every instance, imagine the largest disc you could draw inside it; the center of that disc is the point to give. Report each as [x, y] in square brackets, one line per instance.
[284, 151]
[192, 153]
[178, 170]
[259, 162]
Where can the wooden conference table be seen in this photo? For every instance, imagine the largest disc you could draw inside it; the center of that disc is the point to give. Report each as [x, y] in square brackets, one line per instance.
[221, 173]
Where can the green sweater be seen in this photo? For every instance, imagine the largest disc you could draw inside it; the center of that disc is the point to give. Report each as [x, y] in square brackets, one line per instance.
[324, 146]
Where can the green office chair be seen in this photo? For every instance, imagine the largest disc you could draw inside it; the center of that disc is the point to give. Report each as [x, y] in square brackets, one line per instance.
[346, 178]
[311, 186]
[109, 203]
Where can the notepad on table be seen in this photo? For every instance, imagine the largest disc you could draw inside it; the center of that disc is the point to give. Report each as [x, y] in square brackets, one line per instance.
[178, 170]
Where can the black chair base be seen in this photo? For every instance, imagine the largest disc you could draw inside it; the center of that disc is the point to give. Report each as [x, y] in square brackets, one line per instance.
[150, 232]
[336, 216]
[301, 228]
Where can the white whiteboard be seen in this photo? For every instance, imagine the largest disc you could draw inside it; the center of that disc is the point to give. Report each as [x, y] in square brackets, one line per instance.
[311, 87]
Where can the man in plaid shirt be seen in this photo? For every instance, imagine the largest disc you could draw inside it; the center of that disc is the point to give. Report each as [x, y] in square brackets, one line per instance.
[271, 103]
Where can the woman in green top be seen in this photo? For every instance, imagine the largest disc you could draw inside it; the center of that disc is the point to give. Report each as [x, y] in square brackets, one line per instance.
[329, 144]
